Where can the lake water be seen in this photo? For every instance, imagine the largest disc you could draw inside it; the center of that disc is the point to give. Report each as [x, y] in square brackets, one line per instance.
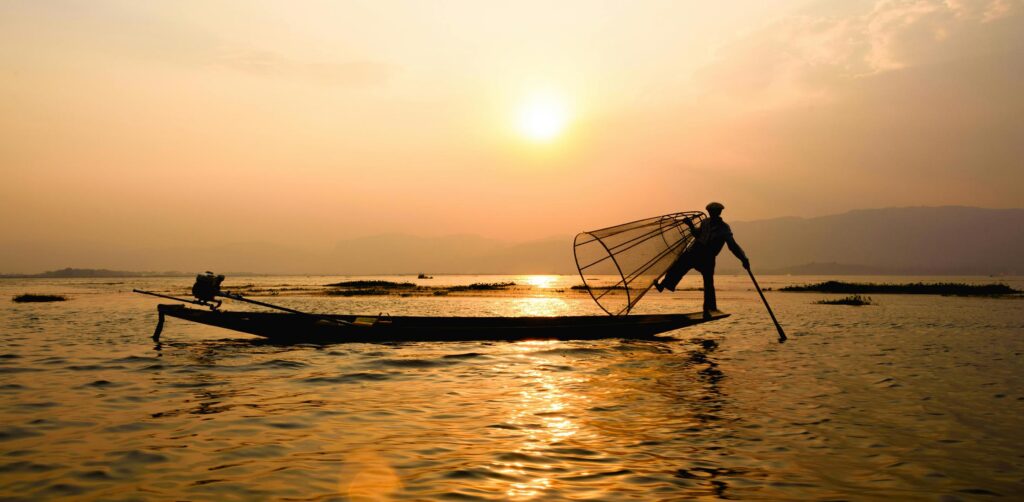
[915, 398]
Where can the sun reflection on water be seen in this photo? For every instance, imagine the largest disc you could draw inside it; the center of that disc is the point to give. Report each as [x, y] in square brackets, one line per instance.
[528, 490]
[366, 476]
[541, 281]
[544, 414]
[539, 307]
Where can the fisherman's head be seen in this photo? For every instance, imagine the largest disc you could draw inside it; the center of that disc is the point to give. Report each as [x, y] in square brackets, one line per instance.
[715, 209]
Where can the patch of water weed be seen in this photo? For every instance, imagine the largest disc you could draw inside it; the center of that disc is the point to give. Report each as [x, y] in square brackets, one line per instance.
[33, 298]
[854, 300]
[483, 286]
[358, 292]
[914, 288]
[372, 285]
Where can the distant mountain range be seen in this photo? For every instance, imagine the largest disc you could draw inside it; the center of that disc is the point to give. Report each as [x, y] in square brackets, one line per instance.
[917, 240]
[66, 273]
[914, 240]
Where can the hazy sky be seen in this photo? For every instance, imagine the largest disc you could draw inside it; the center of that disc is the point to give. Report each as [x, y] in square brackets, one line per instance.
[169, 123]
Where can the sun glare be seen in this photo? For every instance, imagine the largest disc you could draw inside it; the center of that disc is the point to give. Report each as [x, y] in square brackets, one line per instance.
[542, 117]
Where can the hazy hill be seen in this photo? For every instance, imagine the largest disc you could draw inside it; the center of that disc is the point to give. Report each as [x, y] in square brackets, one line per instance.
[89, 273]
[920, 240]
[464, 254]
[914, 240]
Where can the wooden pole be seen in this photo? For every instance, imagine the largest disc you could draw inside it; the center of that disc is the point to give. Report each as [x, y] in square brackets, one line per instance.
[782, 334]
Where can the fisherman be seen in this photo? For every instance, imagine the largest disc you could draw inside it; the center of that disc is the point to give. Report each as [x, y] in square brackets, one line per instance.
[709, 239]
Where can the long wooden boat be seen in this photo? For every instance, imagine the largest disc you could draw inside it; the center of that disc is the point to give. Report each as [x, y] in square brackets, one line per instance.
[290, 327]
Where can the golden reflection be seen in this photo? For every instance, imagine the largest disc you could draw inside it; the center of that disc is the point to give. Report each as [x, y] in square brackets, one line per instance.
[540, 281]
[539, 307]
[544, 413]
[528, 490]
[367, 477]
[527, 346]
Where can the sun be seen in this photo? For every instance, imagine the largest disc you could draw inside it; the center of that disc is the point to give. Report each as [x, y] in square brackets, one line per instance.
[542, 117]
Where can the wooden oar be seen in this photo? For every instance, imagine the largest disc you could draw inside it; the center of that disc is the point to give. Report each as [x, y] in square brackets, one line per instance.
[782, 334]
[212, 304]
[236, 296]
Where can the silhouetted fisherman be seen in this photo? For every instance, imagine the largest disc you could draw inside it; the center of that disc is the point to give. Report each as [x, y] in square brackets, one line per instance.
[710, 237]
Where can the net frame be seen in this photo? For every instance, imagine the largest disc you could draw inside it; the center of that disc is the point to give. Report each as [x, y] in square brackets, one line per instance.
[648, 247]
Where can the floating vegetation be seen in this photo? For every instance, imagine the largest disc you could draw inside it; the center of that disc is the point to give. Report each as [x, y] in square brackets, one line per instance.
[584, 287]
[270, 290]
[377, 288]
[358, 292]
[483, 286]
[916, 288]
[31, 298]
[855, 300]
[373, 284]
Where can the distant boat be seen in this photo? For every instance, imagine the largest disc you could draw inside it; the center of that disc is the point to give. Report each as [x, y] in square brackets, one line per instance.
[424, 276]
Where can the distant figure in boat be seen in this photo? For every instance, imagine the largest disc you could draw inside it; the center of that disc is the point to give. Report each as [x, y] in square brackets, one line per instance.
[712, 235]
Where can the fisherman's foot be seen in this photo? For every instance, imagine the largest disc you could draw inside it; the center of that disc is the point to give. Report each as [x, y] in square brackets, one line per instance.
[658, 286]
[707, 315]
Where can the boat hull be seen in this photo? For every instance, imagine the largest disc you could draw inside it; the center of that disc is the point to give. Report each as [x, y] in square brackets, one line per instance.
[292, 328]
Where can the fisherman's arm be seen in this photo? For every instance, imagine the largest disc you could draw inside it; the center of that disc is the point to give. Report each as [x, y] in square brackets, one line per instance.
[738, 251]
[693, 230]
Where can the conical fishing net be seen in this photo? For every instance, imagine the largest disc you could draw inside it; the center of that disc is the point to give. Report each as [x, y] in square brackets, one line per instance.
[619, 264]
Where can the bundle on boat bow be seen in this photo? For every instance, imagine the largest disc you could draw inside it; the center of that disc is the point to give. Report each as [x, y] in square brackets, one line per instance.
[206, 291]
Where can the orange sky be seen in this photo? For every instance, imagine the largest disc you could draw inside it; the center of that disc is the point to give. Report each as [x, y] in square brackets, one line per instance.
[163, 123]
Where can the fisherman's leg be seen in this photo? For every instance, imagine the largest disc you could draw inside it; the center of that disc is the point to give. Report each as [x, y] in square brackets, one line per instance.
[710, 302]
[676, 272]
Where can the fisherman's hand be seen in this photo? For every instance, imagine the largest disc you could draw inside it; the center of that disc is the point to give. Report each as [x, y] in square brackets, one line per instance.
[746, 264]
